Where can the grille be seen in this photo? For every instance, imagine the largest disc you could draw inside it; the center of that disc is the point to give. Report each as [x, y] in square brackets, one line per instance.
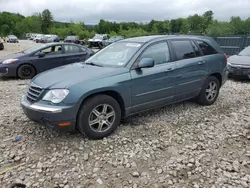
[33, 92]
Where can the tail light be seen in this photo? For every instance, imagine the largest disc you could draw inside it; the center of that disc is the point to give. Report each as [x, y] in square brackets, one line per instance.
[226, 57]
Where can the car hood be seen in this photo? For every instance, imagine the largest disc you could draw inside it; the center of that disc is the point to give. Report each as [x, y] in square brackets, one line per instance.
[239, 60]
[12, 56]
[65, 76]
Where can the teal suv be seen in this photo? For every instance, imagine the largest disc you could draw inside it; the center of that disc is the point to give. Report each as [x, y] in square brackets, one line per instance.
[125, 78]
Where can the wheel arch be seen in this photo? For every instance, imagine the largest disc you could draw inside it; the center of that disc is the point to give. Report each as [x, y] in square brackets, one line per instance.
[112, 93]
[218, 76]
[25, 64]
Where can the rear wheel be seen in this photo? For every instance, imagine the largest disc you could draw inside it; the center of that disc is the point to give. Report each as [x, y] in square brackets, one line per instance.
[99, 116]
[209, 92]
[26, 72]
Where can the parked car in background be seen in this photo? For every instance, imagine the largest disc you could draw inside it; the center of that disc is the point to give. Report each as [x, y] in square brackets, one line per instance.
[72, 39]
[1, 44]
[11, 39]
[125, 78]
[44, 39]
[38, 38]
[239, 65]
[112, 40]
[54, 38]
[32, 36]
[98, 41]
[26, 64]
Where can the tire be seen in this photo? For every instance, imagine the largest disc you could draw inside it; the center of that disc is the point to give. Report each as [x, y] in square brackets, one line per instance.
[26, 71]
[87, 114]
[207, 97]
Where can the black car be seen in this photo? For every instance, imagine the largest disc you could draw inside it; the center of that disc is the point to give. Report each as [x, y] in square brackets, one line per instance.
[239, 65]
[26, 64]
[1, 44]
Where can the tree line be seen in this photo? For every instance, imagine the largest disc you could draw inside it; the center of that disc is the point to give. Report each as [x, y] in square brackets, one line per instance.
[205, 24]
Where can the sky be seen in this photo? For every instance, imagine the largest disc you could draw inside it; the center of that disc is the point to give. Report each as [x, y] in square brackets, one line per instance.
[91, 11]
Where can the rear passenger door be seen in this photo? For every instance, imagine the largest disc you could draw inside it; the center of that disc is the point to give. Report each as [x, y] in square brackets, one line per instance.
[190, 69]
[73, 53]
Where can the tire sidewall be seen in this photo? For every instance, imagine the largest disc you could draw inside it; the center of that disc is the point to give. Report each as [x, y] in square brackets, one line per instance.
[203, 93]
[21, 76]
[86, 109]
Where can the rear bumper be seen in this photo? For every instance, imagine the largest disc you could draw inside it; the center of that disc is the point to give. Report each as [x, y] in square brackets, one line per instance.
[50, 116]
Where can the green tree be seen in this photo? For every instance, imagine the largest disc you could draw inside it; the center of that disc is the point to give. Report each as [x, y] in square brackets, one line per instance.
[47, 20]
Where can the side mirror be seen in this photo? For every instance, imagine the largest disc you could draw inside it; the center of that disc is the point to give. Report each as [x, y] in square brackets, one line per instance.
[146, 63]
[41, 54]
[237, 53]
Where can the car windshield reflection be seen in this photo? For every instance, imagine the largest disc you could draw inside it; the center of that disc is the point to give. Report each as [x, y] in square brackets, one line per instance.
[117, 54]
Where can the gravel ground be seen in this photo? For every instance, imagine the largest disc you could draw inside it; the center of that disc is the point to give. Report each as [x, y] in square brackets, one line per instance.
[182, 145]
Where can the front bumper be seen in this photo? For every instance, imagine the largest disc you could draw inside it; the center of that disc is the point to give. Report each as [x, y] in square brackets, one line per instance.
[62, 118]
[238, 71]
[7, 70]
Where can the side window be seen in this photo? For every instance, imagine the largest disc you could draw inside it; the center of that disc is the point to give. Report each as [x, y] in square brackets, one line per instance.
[52, 50]
[71, 49]
[206, 48]
[183, 49]
[158, 52]
[196, 49]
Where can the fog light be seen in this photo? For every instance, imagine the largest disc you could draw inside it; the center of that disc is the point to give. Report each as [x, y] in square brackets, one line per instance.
[64, 124]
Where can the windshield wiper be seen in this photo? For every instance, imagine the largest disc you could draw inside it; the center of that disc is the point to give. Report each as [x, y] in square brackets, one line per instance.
[93, 64]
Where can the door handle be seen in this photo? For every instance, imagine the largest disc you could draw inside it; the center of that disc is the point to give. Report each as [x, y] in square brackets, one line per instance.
[169, 69]
[201, 62]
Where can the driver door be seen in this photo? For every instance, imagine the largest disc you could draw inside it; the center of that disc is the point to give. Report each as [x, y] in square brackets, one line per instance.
[52, 58]
[153, 87]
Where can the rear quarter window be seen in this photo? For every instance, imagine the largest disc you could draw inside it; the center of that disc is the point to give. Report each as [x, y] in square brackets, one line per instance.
[206, 48]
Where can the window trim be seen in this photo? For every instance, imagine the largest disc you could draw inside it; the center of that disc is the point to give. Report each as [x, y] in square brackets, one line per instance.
[174, 50]
[35, 53]
[196, 44]
[134, 65]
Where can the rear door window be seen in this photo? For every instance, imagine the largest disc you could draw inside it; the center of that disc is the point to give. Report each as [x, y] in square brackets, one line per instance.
[183, 49]
[206, 48]
[71, 49]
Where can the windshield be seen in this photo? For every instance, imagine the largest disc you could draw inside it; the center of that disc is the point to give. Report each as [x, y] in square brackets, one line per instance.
[115, 38]
[34, 49]
[245, 52]
[98, 37]
[117, 54]
[71, 37]
[12, 36]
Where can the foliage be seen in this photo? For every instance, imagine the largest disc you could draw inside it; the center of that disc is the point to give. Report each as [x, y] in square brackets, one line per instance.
[19, 25]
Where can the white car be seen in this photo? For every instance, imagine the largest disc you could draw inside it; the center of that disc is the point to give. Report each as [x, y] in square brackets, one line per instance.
[38, 38]
[98, 40]
[11, 39]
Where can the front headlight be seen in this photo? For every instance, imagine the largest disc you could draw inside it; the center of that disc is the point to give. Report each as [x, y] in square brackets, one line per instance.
[8, 61]
[56, 95]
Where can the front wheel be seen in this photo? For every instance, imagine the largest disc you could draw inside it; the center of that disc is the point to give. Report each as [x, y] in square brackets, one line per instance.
[99, 116]
[209, 92]
[26, 72]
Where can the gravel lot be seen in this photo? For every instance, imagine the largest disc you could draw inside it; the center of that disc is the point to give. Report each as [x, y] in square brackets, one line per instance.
[183, 145]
